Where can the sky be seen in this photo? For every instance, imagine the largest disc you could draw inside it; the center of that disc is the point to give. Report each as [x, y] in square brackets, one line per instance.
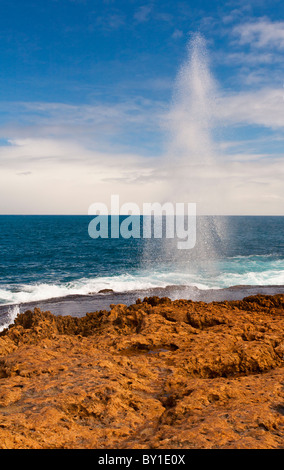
[88, 90]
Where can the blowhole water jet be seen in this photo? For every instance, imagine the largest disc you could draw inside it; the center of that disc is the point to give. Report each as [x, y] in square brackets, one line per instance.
[191, 155]
[192, 160]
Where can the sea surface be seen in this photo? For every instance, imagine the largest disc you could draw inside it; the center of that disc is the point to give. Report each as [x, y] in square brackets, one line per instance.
[53, 263]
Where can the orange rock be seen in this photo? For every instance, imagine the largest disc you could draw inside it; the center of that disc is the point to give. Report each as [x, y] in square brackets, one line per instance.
[157, 374]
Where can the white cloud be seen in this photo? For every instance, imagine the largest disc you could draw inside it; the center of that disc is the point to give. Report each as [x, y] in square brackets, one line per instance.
[261, 34]
[66, 177]
[94, 126]
[64, 170]
[177, 34]
[251, 59]
[264, 107]
[142, 14]
[112, 21]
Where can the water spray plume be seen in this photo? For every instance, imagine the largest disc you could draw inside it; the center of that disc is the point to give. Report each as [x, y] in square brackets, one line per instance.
[191, 152]
[193, 158]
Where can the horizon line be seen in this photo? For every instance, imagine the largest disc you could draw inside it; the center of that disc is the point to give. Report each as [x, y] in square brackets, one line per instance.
[137, 215]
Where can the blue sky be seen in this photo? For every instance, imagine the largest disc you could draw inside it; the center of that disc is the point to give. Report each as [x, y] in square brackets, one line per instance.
[86, 87]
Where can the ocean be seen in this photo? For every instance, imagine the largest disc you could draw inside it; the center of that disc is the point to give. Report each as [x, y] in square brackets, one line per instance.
[52, 262]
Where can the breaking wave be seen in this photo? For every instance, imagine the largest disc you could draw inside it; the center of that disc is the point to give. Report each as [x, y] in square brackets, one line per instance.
[257, 270]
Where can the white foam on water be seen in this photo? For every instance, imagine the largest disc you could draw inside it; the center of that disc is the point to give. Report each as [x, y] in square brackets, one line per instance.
[13, 311]
[238, 271]
[122, 283]
[252, 278]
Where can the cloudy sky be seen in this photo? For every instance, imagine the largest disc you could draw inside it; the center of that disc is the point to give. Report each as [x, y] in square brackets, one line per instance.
[87, 105]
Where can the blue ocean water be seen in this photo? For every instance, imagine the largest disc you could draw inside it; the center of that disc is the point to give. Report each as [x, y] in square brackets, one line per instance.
[45, 257]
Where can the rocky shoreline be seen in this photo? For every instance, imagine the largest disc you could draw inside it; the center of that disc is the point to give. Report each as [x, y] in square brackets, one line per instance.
[158, 374]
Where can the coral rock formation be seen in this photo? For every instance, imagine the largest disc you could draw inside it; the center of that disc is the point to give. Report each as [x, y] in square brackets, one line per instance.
[158, 374]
